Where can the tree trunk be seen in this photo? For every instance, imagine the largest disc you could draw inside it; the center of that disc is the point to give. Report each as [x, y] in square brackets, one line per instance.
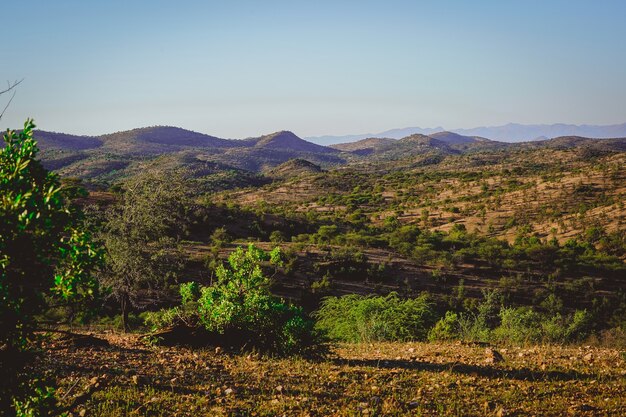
[124, 301]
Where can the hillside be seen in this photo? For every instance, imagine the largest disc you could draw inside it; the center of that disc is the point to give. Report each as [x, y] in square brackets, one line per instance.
[109, 158]
[562, 189]
[293, 168]
[365, 146]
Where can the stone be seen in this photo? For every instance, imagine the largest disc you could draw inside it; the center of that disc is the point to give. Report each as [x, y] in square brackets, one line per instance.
[493, 356]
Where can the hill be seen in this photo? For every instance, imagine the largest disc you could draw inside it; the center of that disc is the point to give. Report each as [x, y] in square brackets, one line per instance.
[62, 141]
[288, 140]
[392, 134]
[512, 132]
[515, 132]
[112, 157]
[293, 168]
[452, 138]
[365, 146]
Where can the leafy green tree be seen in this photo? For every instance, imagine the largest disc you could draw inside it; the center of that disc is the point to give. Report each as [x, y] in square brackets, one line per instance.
[45, 254]
[141, 236]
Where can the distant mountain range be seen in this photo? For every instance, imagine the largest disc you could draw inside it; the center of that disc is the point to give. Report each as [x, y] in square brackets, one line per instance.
[239, 162]
[512, 132]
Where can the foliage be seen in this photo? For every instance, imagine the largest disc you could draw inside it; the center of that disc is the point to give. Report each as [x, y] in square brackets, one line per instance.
[355, 318]
[447, 328]
[141, 236]
[45, 254]
[525, 325]
[240, 308]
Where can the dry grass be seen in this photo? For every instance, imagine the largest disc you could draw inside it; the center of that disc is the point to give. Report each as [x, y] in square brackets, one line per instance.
[388, 379]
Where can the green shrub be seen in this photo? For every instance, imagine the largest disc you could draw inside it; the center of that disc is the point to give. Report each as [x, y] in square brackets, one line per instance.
[155, 320]
[240, 309]
[474, 328]
[519, 325]
[525, 325]
[447, 328]
[189, 292]
[355, 318]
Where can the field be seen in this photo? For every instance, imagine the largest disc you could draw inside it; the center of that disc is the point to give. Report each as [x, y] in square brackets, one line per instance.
[381, 379]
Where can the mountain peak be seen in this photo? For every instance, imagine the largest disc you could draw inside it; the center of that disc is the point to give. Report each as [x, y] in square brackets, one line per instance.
[285, 139]
[452, 138]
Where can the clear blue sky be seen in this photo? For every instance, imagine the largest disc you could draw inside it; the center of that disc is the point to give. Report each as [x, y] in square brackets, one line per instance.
[243, 68]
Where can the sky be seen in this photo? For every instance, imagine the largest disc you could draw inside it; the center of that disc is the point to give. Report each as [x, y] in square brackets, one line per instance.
[237, 69]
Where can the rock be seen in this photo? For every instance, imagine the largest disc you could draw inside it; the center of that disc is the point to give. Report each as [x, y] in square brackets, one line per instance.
[575, 409]
[493, 356]
[413, 405]
[229, 391]
[588, 357]
[279, 389]
[411, 350]
[218, 350]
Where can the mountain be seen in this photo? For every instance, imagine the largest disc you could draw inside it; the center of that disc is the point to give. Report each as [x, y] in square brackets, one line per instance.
[512, 132]
[569, 142]
[365, 146]
[168, 136]
[452, 138]
[54, 140]
[288, 140]
[392, 134]
[413, 143]
[416, 145]
[113, 156]
[223, 163]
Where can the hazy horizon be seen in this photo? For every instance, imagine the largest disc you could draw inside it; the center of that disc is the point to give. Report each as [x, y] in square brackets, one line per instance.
[242, 69]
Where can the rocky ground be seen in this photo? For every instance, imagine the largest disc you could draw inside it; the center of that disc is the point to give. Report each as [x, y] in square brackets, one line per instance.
[120, 375]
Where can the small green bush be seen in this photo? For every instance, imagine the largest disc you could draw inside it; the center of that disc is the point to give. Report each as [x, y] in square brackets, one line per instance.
[525, 325]
[355, 318]
[519, 325]
[240, 309]
[447, 328]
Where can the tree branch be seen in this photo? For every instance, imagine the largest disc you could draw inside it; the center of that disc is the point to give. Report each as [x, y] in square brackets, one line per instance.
[9, 88]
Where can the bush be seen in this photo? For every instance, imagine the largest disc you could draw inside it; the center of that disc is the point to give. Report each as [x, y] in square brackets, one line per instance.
[46, 258]
[519, 325]
[355, 318]
[447, 328]
[524, 325]
[240, 309]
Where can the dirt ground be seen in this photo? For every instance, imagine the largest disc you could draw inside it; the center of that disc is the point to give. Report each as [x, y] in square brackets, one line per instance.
[120, 375]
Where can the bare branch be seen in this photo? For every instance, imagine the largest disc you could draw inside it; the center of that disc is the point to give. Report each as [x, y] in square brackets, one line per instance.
[8, 104]
[9, 88]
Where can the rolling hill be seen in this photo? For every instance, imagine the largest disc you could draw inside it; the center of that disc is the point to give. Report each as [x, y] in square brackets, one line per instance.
[511, 132]
[114, 156]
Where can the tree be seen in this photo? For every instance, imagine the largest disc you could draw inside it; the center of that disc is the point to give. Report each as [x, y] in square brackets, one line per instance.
[141, 236]
[45, 253]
